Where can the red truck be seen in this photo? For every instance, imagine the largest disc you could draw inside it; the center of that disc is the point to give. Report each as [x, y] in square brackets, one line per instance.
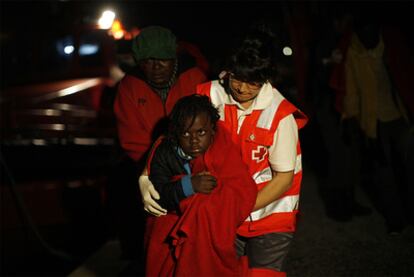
[58, 141]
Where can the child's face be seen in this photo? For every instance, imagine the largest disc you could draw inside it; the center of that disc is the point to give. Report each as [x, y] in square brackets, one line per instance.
[196, 138]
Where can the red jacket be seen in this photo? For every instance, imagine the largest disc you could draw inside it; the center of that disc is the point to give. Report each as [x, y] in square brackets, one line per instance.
[200, 242]
[139, 109]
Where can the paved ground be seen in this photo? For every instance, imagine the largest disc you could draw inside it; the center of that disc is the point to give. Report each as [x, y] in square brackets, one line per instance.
[361, 247]
[322, 246]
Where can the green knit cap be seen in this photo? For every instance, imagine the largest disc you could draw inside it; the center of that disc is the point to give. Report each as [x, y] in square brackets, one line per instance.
[154, 42]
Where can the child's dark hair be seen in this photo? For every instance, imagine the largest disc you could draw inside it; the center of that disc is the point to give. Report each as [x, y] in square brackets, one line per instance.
[189, 107]
[255, 58]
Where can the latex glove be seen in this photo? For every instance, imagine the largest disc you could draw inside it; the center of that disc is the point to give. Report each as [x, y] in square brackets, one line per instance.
[148, 194]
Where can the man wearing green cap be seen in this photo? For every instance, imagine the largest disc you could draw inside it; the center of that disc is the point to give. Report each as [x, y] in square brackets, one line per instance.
[145, 97]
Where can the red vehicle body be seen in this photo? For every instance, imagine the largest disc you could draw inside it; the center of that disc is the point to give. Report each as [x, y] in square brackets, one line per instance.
[58, 143]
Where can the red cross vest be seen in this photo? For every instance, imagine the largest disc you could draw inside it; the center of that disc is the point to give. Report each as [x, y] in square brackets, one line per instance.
[255, 137]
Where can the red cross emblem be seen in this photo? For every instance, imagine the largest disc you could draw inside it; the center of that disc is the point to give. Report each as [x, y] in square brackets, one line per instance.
[259, 154]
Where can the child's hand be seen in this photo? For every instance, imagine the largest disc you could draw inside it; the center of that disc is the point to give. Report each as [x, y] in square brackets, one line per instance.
[203, 182]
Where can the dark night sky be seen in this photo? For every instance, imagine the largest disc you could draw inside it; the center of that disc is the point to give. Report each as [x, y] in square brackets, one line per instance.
[209, 24]
[212, 25]
[199, 21]
[195, 19]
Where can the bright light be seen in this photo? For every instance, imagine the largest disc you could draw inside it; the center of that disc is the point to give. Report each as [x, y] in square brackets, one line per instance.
[88, 49]
[117, 30]
[118, 34]
[106, 20]
[287, 51]
[68, 49]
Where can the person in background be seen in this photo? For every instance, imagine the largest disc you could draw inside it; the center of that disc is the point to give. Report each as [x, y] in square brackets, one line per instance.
[205, 186]
[339, 171]
[378, 106]
[265, 126]
[146, 95]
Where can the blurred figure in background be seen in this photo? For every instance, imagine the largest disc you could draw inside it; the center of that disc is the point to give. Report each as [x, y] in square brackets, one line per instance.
[145, 97]
[340, 158]
[377, 107]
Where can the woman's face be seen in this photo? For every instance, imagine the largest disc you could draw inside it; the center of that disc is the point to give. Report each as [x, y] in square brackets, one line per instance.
[196, 139]
[244, 92]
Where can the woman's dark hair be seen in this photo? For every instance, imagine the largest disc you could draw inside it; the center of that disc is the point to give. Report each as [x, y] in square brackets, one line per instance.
[255, 58]
[189, 107]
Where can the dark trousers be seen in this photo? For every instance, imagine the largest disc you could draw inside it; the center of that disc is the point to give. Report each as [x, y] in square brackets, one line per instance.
[265, 251]
[341, 158]
[390, 156]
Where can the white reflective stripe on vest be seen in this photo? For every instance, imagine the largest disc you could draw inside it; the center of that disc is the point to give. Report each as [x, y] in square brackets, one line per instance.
[263, 176]
[266, 174]
[221, 110]
[266, 117]
[298, 165]
[286, 204]
[219, 98]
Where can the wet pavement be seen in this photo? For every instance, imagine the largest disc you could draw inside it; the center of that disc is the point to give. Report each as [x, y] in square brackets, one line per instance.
[321, 247]
[360, 247]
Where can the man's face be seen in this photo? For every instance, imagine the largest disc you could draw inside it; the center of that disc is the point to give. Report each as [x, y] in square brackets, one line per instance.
[369, 36]
[196, 139]
[243, 92]
[158, 72]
